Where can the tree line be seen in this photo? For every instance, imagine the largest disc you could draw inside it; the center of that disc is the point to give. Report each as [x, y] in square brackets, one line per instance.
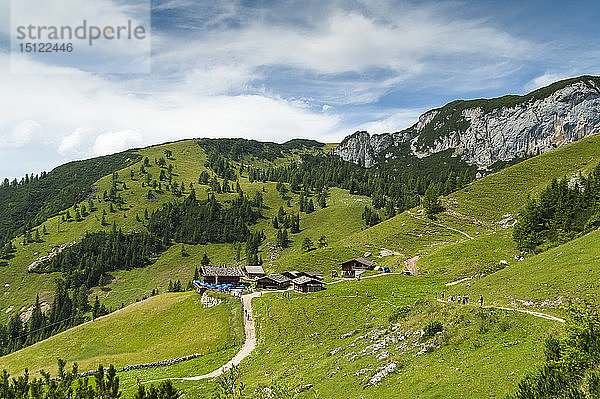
[104, 384]
[391, 191]
[201, 222]
[69, 308]
[89, 261]
[563, 211]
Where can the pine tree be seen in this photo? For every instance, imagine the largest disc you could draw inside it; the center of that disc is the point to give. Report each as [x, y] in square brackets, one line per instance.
[281, 215]
[307, 244]
[310, 208]
[322, 243]
[431, 202]
[205, 260]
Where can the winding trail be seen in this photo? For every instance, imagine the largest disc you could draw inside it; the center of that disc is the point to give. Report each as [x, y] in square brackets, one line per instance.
[244, 352]
[440, 225]
[529, 312]
[411, 265]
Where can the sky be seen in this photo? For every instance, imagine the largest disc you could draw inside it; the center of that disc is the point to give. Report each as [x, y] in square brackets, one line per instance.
[276, 70]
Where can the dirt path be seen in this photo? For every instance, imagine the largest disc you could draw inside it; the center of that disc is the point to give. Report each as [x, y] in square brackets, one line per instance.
[459, 281]
[411, 265]
[246, 349]
[530, 312]
[243, 353]
[440, 225]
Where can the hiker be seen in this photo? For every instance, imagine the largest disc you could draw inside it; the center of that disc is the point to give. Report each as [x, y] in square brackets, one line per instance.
[367, 293]
[442, 295]
[436, 295]
[392, 292]
[481, 300]
[356, 292]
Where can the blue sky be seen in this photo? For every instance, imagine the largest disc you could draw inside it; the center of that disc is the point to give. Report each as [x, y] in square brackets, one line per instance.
[275, 70]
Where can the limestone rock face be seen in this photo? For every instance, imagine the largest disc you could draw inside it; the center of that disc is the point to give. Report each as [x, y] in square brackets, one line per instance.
[530, 126]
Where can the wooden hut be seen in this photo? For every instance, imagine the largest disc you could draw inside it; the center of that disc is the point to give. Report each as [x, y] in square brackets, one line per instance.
[307, 284]
[292, 274]
[222, 275]
[316, 275]
[254, 272]
[273, 282]
[350, 267]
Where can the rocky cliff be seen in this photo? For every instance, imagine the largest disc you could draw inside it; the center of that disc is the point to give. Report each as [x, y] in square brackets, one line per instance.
[485, 131]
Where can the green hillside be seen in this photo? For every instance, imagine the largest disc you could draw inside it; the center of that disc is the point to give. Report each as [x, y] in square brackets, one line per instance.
[549, 279]
[160, 328]
[338, 341]
[313, 339]
[506, 191]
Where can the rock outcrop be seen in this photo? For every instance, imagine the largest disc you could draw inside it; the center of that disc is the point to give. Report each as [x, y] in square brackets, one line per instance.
[485, 131]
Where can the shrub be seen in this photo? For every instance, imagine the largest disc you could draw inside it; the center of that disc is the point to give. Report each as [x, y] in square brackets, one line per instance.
[432, 328]
[399, 313]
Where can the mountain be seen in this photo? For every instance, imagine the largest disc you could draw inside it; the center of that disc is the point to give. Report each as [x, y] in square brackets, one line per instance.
[486, 131]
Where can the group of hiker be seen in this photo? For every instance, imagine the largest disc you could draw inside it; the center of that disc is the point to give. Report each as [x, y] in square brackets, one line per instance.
[458, 299]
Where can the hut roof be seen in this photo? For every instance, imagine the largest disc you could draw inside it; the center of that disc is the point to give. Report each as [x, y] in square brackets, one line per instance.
[278, 278]
[361, 260]
[305, 280]
[216, 271]
[316, 275]
[255, 270]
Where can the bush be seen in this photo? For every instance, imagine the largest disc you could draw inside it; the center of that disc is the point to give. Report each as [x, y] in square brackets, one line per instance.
[432, 328]
[399, 314]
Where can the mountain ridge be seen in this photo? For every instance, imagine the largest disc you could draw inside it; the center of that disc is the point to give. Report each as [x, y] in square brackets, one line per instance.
[485, 131]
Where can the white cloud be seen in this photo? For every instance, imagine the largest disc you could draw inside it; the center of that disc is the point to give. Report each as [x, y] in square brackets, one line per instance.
[544, 80]
[74, 142]
[100, 116]
[392, 121]
[20, 134]
[406, 42]
[111, 142]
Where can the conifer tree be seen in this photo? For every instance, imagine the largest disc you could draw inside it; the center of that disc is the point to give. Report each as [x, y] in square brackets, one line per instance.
[205, 260]
[431, 202]
[310, 208]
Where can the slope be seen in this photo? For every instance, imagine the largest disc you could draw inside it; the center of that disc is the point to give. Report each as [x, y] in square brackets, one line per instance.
[163, 327]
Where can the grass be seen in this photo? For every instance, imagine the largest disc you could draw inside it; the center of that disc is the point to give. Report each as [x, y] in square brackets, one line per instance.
[467, 258]
[162, 327]
[340, 218]
[406, 234]
[198, 366]
[548, 279]
[505, 192]
[310, 339]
